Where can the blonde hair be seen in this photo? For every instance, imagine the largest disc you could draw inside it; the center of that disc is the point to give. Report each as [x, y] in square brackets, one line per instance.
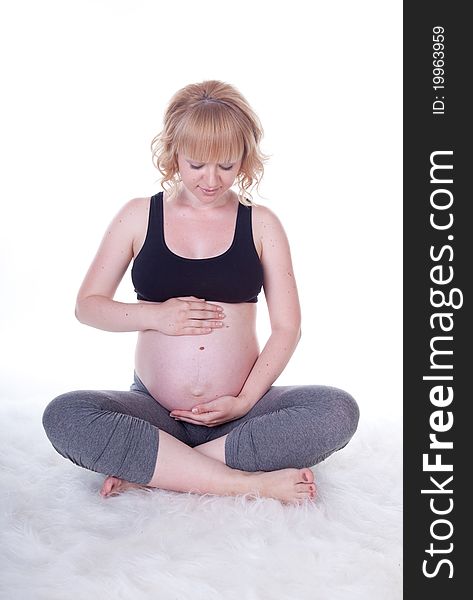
[210, 122]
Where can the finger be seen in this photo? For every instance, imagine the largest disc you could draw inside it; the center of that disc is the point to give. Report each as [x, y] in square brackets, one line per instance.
[199, 409]
[193, 421]
[202, 326]
[205, 417]
[201, 304]
[203, 423]
[181, 413]
[196, 330]
[203, 408]
[197, 313]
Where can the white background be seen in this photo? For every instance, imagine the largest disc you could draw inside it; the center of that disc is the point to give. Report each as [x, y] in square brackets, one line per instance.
[85, 84]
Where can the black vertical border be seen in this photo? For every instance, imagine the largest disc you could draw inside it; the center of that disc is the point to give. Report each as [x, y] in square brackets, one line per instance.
[424, 133]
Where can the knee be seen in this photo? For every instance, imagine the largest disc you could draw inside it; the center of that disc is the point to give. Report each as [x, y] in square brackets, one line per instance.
[330, 406]
[59, 417]
[346, 410]
[334, 412]
[52, 414]
[333, 432]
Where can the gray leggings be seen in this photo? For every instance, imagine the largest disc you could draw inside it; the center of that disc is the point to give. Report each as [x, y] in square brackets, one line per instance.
[117, 432]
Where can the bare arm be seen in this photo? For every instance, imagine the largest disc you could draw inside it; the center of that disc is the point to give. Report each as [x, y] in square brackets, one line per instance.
[283, 304]
[95, 305]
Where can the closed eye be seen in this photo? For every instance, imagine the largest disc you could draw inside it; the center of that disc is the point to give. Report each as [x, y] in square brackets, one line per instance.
[223, 167]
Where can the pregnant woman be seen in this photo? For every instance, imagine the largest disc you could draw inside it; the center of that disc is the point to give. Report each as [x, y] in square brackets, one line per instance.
[203, 414]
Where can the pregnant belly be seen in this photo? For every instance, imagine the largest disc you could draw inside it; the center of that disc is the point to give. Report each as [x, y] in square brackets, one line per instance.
[183, 371]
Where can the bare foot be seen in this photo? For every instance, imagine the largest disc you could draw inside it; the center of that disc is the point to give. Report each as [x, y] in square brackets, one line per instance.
[291, 486]
[113, 486]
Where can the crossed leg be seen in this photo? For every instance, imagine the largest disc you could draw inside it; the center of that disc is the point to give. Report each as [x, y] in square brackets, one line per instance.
[267, 452]
[214, 449]
[183, 469]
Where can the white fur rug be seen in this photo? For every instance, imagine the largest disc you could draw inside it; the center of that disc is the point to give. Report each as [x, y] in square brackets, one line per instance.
[61, 541]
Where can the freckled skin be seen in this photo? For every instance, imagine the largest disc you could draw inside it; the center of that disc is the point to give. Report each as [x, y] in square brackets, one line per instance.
[183, 374]
[199, 223]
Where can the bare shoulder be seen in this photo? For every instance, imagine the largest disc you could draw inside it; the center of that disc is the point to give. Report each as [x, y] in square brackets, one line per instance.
[131, 222]
[131, 217]
[134, 209]
[266, 224]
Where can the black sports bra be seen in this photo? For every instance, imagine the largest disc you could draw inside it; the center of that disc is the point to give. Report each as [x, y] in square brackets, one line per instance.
[234, 276]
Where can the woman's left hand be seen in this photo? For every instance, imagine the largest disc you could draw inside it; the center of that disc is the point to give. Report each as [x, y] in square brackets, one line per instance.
[215, 412]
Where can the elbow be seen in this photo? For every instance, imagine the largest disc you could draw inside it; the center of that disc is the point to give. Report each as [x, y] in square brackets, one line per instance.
[293, 332]
[78, 312]
[89, 310]
[297, 333]
[81, 311]
[296, 329]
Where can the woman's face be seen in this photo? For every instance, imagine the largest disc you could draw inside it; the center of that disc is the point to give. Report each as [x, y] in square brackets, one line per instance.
[207, 181]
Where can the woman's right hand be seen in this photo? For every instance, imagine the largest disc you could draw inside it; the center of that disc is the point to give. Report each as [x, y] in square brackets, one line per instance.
[188, 315]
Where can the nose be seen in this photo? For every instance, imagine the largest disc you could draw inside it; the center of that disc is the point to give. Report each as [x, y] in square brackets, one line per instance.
[211, 176]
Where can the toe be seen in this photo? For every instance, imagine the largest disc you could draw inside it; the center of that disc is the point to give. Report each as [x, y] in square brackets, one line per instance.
[110, 487]
[303, 488]
[306, 495]
[307, 475]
